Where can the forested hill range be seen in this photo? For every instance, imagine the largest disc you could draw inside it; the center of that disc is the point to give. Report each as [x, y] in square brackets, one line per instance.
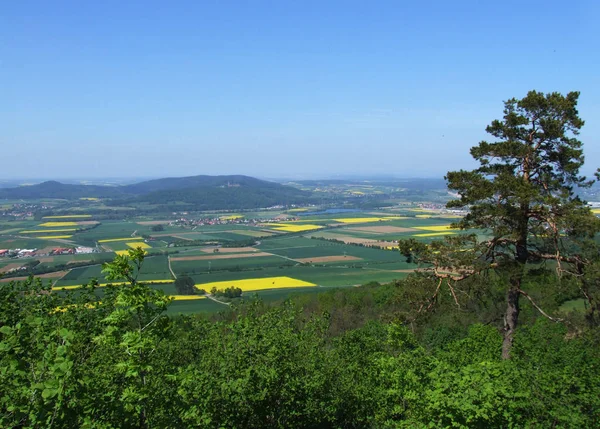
[200, 192]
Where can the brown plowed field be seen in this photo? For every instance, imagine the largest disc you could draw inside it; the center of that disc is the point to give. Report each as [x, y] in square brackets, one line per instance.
[55, 275]
[9, 267]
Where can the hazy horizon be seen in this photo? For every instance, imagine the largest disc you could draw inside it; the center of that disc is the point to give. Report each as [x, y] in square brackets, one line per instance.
[275, 89]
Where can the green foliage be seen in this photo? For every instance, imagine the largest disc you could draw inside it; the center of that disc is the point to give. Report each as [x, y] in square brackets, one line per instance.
[71, 360]
[230, 292]
[185, 285]
[522, 195]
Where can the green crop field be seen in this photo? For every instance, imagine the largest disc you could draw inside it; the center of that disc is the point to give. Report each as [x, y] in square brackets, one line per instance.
[283, 242]
[195, 306]
[371, 264]
[13, 242]
[232, 264]
[108, 230]
[320, 275]
[154, 268]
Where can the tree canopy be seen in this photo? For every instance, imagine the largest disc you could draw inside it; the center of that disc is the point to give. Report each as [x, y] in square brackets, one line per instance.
[523, 196]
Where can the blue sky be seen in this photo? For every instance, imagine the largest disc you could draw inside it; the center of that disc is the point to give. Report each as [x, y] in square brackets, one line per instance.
[279, 88]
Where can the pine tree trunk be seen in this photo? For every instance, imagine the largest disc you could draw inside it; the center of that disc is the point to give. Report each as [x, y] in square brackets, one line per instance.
[511, 316]
[510, 319]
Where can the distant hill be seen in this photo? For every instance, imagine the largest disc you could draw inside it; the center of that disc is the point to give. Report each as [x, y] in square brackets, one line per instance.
[197, 192]
[53, 189]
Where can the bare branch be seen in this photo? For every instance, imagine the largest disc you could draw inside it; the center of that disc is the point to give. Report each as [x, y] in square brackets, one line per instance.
[453, 294]
[538, 307]
[432, 299]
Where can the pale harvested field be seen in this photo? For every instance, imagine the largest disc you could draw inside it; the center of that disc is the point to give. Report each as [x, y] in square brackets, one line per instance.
[217, 256]
[344, 238]
[153, 222]
[87, 222]
[9, 267]
[55, 275]
[46, 250]
[328, 259]
[49, 259]
[229, 249]
[381, 229]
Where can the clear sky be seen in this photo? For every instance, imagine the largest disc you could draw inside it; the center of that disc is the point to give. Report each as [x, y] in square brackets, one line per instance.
[279, 88]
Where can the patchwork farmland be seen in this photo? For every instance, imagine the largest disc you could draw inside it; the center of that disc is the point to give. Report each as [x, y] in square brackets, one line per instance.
[271, 254]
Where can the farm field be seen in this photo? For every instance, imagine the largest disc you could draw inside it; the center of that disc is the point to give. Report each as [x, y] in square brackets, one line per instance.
[280, 244]
[154, 268]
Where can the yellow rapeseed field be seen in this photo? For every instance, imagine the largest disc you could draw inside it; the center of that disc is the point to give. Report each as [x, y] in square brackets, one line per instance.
[67, 216]
[299, 209]
[57, 224]
[422, 216]
[141, 244]
[122, 252]
[231, 217]
[291, 227]
[47, 230]
[50, 237]
[257, 284]
[596, 211]
[108, 240]
[112, 283]
[434, 234]
[435, 228]
[186, 297]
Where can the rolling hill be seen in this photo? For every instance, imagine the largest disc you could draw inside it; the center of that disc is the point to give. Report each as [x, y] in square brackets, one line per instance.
[196, 192]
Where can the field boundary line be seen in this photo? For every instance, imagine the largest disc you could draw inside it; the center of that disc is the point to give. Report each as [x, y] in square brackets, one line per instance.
[56, 281]
[285, 257]
[171, 269]
[209, 296]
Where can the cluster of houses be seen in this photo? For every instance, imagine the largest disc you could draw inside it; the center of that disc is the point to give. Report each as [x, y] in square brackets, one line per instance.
[17, 253]
[23, 211]
[214, 221]
[27, 253]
